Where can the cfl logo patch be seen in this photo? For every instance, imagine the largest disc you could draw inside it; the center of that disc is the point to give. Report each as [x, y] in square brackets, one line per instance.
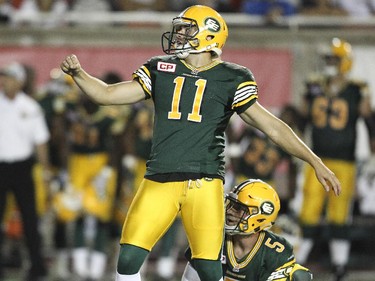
[166, 67]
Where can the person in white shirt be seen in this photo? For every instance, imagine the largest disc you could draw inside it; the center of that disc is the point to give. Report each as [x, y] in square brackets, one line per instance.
[23, 135]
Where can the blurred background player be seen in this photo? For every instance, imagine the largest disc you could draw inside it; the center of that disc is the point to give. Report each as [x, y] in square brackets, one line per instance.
[366, 177]
[333, 105]
[251, 250]
[58, 98]
[261, 158]
[89, 191]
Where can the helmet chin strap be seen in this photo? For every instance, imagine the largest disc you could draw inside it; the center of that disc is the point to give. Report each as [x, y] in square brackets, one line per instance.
[188, 49]
[235, 229]
[209, 48]
[184, 52]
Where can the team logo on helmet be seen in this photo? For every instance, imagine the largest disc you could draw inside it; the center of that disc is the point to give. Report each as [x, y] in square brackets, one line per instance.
[212, 24]
[267, 208]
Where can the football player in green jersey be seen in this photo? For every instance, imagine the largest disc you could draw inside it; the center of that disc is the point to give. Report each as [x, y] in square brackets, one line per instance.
[194, 94]
[251, 251]
[332, 106]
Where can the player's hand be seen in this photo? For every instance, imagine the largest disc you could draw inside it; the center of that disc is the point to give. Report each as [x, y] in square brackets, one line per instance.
[327, 178]
[71, 65]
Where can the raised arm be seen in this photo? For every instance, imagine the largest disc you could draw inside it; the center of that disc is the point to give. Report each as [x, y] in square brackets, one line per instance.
[126, 92]
[281, 134]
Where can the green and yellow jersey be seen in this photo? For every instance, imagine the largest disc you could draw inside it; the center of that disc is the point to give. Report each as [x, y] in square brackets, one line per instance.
[89, 133]
[334, 119]
[271, 258]
[259, 160]
[192, 110]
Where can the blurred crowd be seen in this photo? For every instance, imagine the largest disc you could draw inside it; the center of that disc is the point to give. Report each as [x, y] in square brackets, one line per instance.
[18, 12]
[97, 158]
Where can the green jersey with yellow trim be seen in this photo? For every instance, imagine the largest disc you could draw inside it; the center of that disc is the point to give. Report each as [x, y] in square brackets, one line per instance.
[271, 258]
[334, 119]
[192, 110]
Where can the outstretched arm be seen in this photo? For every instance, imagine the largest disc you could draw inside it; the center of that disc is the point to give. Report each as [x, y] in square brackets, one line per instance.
[120, 93]
[281, 134]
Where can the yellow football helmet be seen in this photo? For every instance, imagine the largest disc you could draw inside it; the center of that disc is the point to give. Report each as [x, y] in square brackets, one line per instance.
[251, 206]
[338, 57]
[343, 50]
[197, 29]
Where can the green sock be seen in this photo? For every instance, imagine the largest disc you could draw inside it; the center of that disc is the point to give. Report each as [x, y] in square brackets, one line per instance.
[130, 259]
[208, 269]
